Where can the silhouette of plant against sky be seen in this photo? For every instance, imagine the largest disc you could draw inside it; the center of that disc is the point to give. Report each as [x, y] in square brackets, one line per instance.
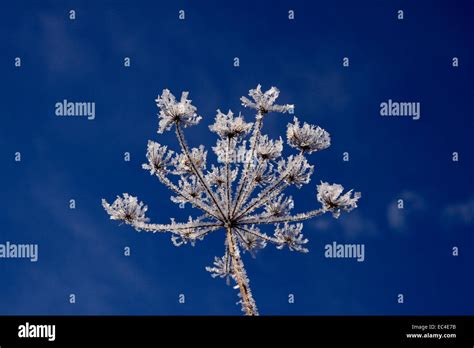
[242, 191]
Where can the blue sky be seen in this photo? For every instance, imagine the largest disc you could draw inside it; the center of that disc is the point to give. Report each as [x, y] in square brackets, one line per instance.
[407, 251]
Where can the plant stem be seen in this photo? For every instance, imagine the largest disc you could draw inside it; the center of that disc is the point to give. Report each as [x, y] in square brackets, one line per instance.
[240, 276]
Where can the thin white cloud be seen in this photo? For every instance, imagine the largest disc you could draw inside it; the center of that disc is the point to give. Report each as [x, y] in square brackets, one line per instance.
[355, 225]
[58, 46]
[399, 218]
[79, 226]
[459, 213]
[350, 226]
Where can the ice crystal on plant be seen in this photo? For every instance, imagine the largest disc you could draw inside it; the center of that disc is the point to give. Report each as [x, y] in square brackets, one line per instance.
[265, 102]
[297, 170]
[280, 206]
[183, 163]
[330, 197]
[307, 138]
[250, 239]
[290, 235]
[264, 174]
[221, 267]
[242, 192]
[159, 158]
[128, 209]
[229, 127]
[268, 149]
[172, 111]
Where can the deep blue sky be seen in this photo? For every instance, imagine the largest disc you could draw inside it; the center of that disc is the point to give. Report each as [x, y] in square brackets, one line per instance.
[81, 251]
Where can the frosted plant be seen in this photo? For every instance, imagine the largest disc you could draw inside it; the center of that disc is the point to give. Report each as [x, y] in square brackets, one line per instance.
[242, 191]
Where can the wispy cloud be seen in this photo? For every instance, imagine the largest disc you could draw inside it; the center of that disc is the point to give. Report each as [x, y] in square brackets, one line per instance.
[349, 226]
[73, 273]
[60, 48]
[398, 218]
[356, 225]
[461, 213]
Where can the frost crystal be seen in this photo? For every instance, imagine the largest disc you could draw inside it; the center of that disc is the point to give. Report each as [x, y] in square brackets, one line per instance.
[250, 239]
[172, 112]
[228, 126]
[221, 268]
[279, 207]
[265, 102]
[127, 209]
[268, 149]
[307, 138]
[183, 163]
[159, 158]
[291, 236]
[297, 170]
[330, 197]
[264, 174]
[242, 191]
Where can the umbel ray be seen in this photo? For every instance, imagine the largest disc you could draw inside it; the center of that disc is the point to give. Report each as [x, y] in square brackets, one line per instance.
[242, 191]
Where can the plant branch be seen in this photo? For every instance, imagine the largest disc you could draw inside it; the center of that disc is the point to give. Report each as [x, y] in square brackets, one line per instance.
[167, 182]
[255, 138]
[205, 231]
[196, 171]
[228, 183]
[174, 228]
[259, 235]
[266, 194]
[262, 199]
[260, 220]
